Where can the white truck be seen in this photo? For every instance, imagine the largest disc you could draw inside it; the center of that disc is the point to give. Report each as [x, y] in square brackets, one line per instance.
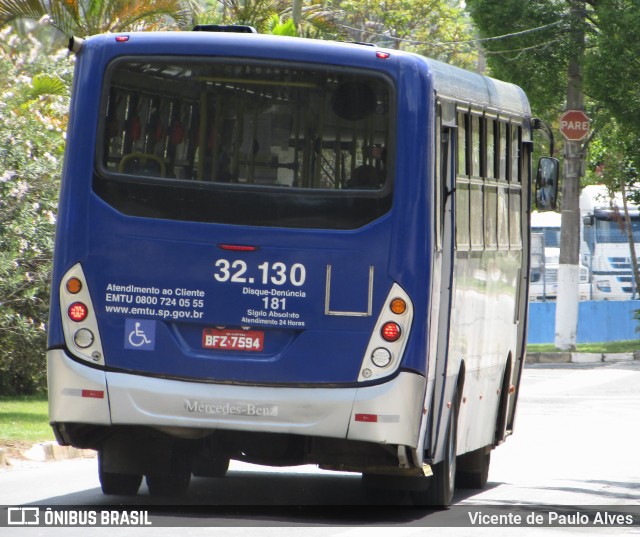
[545, 257]
[605, 245]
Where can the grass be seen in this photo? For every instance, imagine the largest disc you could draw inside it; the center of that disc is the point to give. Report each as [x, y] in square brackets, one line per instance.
[609, 347]
[24, 419]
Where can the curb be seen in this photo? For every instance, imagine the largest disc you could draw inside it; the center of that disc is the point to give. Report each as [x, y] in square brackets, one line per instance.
[48, 451]
[52, 451]
[580, 357]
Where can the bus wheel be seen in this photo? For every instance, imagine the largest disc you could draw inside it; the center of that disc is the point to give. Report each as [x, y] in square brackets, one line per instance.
[473, 469]
[175, 482]
[442, 483]
[117, 484]
[216, 466]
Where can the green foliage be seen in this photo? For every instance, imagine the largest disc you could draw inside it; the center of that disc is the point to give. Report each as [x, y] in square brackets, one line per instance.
[609, 347]
[612, 68]
[438, 29]
[256, 13]
[276, 17]
[537, 60]
[24, 419]
[275, 26]
[33, 108]
[99, 16]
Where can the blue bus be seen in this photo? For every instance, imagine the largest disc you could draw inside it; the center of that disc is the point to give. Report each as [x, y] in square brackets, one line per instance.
[288, 251]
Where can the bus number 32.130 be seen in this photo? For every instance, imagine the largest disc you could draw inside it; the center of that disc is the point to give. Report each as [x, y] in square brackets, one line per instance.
[268, 273]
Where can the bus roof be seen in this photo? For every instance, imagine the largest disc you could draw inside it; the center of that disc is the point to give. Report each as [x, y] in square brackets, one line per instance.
[461, 84]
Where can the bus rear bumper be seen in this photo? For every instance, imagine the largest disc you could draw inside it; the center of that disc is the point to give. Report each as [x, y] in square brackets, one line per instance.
[388, 413]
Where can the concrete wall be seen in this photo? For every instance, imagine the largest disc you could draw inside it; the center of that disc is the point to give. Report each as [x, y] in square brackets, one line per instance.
[598, 321]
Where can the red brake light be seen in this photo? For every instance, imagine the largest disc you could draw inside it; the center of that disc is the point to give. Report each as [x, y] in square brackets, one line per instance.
[237, 247]
[382, 55]
[122, 38]
[78, 312]
[391, 332]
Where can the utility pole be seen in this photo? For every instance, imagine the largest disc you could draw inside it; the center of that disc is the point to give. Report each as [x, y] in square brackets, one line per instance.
[566, 327]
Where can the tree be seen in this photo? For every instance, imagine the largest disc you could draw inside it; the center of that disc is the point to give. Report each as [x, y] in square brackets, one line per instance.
[439, 29]
[89, 17]
[310, 20]
[33, 112]
[612, 65]
[527, 43]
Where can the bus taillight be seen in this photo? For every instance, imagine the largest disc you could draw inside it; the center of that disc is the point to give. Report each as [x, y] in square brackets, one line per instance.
[74, 286]
[78, 312]
[398, 306]
[391, 332]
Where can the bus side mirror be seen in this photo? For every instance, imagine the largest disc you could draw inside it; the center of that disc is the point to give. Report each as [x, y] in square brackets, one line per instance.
[547, 183]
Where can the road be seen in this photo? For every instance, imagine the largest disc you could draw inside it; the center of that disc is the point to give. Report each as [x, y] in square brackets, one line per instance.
[576, 444]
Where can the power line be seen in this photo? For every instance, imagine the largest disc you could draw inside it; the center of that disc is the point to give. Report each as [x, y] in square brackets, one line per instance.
[523, 49]
[450, 43]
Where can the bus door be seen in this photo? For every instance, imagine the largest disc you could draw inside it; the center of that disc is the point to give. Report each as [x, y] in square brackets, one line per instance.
[442, 292]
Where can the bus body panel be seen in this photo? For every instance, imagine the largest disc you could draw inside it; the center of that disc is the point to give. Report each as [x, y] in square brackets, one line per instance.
[172, 286]
[77, 393]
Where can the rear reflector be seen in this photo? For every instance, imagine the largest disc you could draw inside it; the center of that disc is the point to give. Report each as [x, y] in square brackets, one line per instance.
[377, 418]
[369, 418]
[93, 394]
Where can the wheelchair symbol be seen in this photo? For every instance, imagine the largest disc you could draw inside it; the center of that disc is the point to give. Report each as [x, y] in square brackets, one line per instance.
[137, 337]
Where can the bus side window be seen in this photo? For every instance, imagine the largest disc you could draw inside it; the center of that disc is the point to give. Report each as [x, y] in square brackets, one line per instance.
[445, 160]
[516, 140]
[465, 150]
[502, 150]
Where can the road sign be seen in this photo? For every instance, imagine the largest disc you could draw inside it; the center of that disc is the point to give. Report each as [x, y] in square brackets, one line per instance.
[574, 125]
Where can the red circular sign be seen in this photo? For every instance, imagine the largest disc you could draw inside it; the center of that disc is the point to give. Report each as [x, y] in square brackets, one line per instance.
[574, 125]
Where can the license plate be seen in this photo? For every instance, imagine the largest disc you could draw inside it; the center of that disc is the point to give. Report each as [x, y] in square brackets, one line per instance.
[233, 340]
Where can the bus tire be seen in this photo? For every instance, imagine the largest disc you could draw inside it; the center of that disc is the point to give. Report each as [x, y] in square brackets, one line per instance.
[473, 469]
[117, 484]
[216, 466]
[175, 482]
[442, 483]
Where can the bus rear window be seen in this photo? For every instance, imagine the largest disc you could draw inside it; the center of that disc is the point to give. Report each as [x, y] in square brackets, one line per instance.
[251, 143]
